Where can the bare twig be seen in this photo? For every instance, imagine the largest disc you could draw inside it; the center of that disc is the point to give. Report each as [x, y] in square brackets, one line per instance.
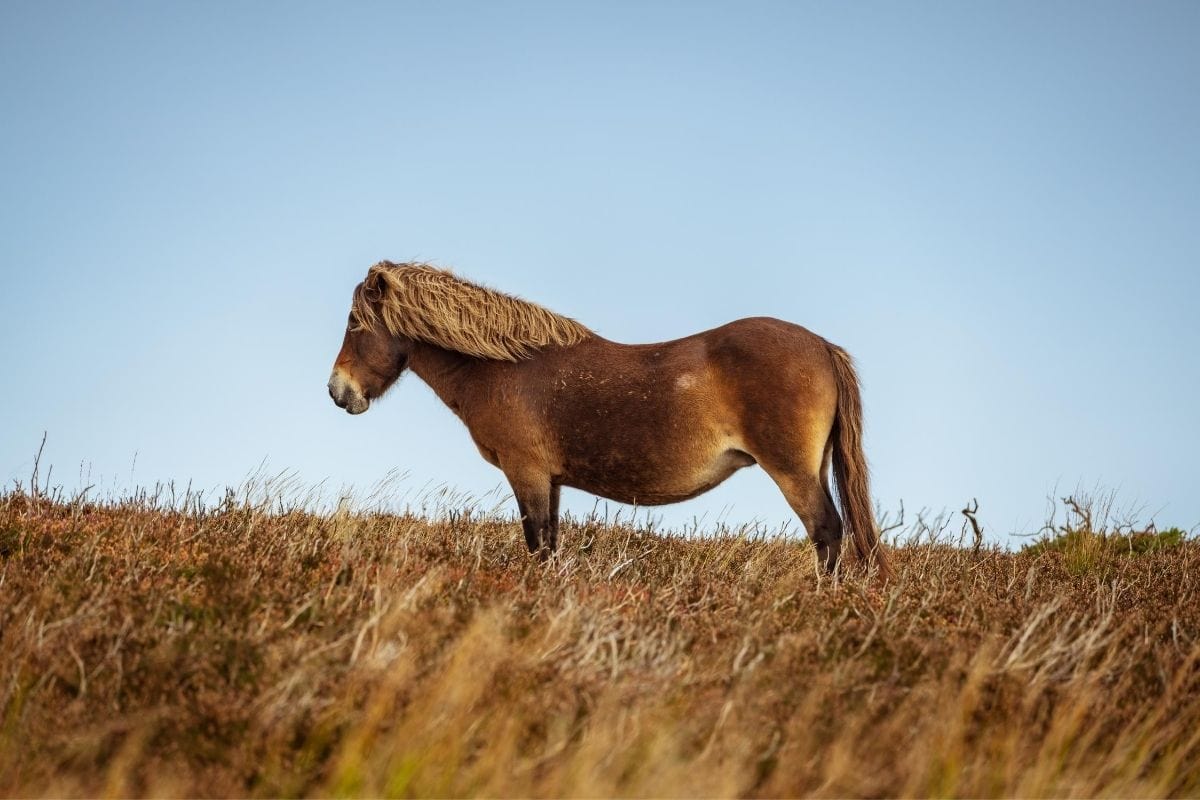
[976, 529]
[34, 491]
[1082, 510]
[889, 526]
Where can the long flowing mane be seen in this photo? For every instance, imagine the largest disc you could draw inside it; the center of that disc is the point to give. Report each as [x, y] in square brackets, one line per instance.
[431, 305]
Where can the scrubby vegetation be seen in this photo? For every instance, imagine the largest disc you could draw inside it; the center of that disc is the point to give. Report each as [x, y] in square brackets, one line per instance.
[1091, 547]
[150, 647]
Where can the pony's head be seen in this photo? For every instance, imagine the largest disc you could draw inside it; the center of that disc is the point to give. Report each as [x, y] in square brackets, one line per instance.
[372, 357]
[398, 305]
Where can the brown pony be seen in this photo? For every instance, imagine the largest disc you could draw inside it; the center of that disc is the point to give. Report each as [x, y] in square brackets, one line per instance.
[552, 404]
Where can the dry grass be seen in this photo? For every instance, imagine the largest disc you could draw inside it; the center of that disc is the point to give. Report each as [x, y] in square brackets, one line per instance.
[145, 650]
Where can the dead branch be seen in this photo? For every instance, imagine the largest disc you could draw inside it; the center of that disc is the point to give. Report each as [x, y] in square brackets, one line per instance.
[976, 529]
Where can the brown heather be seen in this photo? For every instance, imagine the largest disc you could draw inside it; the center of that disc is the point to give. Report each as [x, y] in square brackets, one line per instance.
[241, 651]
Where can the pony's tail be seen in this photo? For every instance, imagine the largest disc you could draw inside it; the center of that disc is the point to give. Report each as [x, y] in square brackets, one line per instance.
[850, 466]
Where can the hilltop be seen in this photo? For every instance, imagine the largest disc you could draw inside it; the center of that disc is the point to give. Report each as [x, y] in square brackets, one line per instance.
[148, 650]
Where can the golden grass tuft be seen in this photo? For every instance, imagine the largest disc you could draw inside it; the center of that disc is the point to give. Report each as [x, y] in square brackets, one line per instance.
[147, 650]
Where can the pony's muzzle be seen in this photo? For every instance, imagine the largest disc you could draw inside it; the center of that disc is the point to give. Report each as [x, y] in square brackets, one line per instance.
[346, 395]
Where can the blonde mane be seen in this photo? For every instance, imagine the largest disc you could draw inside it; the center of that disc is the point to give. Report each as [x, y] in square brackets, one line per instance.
[431, 305]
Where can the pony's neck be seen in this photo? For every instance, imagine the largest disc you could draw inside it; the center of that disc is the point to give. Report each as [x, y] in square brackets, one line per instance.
[448, 373]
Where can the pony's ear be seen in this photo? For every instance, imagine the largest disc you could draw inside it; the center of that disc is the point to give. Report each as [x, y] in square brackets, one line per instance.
[372, 286]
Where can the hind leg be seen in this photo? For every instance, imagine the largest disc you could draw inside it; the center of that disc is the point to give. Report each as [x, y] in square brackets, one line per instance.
[555, 494]
[809, 497]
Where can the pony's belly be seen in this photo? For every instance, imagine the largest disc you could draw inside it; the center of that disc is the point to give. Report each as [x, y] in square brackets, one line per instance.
[638, 483]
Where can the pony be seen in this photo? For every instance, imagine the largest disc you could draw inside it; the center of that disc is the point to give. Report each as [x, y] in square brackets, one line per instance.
[552, 404]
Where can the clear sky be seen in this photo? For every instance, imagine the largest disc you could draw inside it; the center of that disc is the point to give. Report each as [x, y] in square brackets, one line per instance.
[994, 206]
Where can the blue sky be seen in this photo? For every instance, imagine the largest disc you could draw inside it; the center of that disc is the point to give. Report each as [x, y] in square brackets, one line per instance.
[993, 206]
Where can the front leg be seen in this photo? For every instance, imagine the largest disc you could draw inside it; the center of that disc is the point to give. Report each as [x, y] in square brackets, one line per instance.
[533, 493]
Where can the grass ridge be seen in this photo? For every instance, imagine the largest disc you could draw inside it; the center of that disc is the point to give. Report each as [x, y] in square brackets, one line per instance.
[253, 650]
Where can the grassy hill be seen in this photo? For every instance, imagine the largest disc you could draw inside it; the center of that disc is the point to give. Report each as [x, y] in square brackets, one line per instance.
[149, 651]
